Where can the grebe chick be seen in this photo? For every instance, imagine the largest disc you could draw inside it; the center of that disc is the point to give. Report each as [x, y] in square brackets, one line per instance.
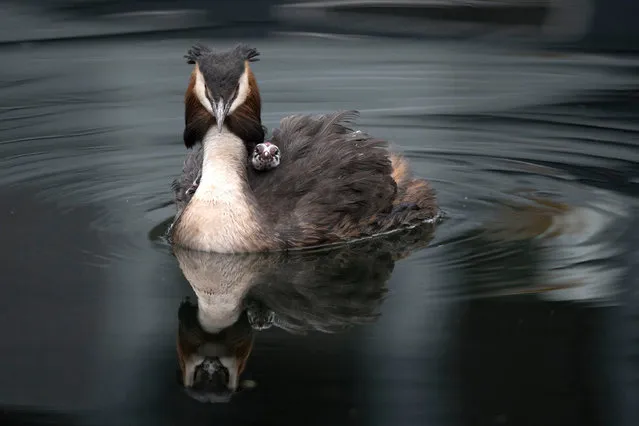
[266, 156]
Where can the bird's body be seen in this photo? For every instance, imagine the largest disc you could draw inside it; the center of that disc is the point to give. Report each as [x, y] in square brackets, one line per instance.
[332, 184]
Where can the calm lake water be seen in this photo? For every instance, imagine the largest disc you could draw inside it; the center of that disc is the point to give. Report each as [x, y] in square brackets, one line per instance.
[520, 309]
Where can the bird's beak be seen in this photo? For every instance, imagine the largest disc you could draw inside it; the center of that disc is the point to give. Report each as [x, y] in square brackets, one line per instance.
[221, 111]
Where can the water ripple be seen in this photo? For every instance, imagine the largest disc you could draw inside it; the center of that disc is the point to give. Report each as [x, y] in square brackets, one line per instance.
[532, 157]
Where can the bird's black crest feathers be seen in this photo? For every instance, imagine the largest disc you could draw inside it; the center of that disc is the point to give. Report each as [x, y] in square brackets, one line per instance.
[195, 52]
[199, 50]
[248, 53]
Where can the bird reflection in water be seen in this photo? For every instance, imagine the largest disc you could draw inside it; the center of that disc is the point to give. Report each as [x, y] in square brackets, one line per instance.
[327, 290]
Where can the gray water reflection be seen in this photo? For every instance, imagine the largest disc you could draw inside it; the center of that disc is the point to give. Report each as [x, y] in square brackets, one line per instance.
[534, 158]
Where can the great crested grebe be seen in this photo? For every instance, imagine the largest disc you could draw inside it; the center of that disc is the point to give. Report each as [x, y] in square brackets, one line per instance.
[332, 185]
[266, 156]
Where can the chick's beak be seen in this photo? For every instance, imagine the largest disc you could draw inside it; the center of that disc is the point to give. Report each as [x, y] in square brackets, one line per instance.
[221, 111]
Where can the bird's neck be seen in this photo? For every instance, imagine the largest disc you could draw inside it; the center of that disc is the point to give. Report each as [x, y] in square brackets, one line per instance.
[224, 178]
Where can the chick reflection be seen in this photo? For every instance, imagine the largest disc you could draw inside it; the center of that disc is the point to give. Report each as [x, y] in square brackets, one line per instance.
[325, 290]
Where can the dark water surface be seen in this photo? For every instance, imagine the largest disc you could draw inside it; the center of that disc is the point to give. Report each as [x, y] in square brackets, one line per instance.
[521, 310]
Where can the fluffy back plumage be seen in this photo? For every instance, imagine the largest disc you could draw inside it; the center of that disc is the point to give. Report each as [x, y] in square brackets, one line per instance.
[330, 183]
